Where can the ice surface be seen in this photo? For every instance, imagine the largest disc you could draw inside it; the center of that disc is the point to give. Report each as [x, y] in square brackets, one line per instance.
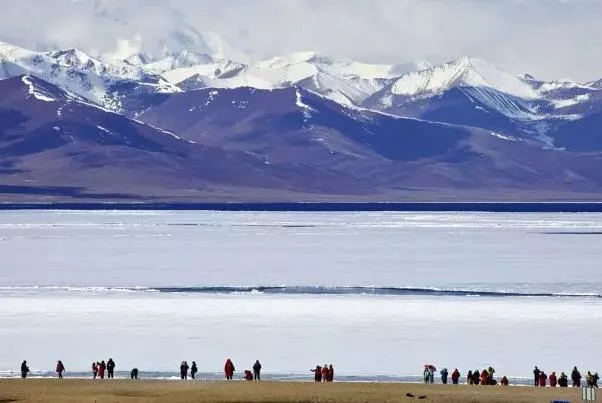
[216, 248]
[360, 334]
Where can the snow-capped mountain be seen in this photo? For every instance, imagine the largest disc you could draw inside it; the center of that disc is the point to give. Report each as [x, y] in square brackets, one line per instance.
[344, 81]
[303, 122]
[464, 72]
[111, 85]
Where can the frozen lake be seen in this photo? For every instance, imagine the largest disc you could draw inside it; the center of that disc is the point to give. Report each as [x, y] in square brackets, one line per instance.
[67, 290]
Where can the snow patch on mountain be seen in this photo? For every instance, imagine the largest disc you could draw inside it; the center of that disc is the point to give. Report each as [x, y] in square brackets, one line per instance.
[33, 91]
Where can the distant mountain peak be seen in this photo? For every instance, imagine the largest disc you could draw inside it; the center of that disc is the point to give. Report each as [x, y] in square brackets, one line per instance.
[466, 71]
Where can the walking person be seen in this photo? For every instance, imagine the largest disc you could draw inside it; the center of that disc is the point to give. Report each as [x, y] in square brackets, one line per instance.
[330, 373]
[24, 369]
[455, 376]
[469, 378]
[257, 371]
[536, 373]
[110, 368]
[94, 370]
[317, 373]
[193, 370]
[444, 374]
[595, 379]
[134, 373]
[229, 369]
[60, 368]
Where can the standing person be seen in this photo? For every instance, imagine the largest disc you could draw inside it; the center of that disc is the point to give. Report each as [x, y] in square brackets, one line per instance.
[536, 373]
[476, 377]
[330, 373]
[193, 370]
[184, 370]
[589, 378]
[24, 369]
[563, 381]
[542, 379]
[229, 369]
[455, 376]
[94, 370]
[325, 373]
[134, 373]
[484, 377]
[101, 369]
[553, 379]
[504, 381]
[595, 379]
[444, 376]
[317, 373]
[110, 368]
[426, 374]
[257, 371]
[469, 378]
[576, 378]
[60, 368]
[432, 370]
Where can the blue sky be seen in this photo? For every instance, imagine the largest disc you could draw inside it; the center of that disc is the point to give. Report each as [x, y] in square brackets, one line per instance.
[547, 38]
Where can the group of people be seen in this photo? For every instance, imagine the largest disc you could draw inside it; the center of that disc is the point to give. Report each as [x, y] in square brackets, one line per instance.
[255, 375]
[486, 377]
[475, 377]
[540, 379]
[99, 368]
[323, 373]
[184, 370]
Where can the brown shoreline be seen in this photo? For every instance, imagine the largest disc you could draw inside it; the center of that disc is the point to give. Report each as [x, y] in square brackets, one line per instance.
[151, 391]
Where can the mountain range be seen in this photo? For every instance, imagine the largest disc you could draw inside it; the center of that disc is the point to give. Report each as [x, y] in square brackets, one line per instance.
[190, 126]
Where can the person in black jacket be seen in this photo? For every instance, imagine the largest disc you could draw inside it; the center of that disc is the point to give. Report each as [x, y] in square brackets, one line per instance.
[563, 381]
[257, 371]
[576, 378]
[193, 370]
[134, 373]
[536, 373]
[110, 368]
[476, 377]
[24, 369]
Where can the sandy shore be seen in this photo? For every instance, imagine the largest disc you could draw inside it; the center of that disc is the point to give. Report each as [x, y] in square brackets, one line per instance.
[82, 391]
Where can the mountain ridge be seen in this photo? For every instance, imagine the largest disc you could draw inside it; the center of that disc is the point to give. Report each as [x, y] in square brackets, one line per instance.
[298, 127]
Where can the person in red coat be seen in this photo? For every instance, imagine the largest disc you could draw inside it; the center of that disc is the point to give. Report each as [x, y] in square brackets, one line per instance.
[504, 381]
[229, 369]
[455, 376]
[101, 369]
[542, 379]
[60, 368]
[325, 373]
[484, 376]
[553, 379]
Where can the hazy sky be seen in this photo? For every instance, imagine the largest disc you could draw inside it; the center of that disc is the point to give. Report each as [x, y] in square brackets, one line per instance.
[547, 38]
